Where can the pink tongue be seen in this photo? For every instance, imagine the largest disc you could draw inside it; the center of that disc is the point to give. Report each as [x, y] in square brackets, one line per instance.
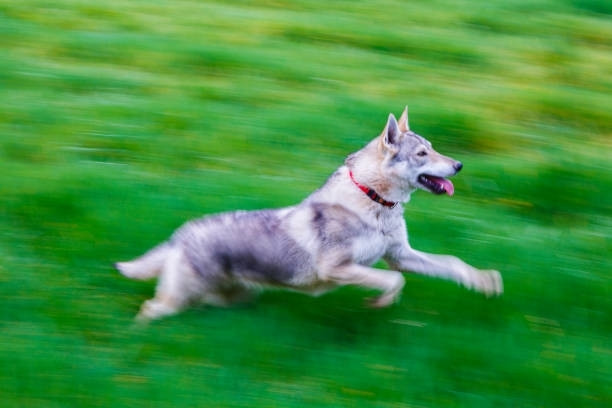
[448, 186]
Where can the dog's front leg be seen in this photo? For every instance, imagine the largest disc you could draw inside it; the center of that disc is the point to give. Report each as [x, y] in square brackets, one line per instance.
[448, 267]
[389, 282]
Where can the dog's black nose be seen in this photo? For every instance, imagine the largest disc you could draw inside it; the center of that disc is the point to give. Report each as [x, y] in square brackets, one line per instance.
[458, 166]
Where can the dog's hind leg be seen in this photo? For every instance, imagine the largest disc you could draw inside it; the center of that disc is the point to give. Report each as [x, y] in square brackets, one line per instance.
[178, 286]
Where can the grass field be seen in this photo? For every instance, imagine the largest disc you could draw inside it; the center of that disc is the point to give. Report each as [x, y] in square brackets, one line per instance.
[121, 120]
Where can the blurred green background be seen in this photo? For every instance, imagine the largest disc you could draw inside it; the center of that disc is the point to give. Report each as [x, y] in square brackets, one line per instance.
[119, 120]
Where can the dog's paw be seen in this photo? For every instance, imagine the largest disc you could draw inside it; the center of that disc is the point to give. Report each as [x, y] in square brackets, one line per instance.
[491, 283]
[380, 301]
[488, 282]
[396, 282]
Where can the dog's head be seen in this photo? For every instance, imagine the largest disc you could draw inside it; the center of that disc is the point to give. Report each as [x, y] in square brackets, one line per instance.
[410, 159]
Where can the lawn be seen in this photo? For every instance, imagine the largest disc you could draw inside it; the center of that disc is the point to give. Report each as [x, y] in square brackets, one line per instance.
[121, 120]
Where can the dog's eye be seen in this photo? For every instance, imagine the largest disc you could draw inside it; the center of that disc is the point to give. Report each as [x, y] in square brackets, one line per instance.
[422, 153]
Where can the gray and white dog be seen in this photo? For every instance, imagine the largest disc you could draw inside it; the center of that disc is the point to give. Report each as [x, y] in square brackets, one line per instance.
[328, 240]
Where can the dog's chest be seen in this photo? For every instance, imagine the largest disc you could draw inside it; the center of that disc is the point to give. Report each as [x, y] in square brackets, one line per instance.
[370, 246]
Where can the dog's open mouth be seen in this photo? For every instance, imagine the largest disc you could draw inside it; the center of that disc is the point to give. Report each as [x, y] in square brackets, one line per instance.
[437, 185]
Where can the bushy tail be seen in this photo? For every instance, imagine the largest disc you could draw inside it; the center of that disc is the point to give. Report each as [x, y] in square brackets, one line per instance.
[147, 266]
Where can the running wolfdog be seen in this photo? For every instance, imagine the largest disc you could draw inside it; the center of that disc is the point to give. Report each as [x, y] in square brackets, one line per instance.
[328, 240]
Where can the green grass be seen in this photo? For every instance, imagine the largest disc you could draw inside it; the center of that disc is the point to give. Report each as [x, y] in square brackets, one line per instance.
[121, 120]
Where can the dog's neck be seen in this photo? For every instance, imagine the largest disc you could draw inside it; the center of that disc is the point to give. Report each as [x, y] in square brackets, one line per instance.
[368, 173]
[371, 193]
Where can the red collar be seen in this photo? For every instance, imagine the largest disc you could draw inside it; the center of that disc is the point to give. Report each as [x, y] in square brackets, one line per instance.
[370, 192]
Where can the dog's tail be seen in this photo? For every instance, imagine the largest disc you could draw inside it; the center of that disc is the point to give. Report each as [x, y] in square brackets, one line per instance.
[147, 266]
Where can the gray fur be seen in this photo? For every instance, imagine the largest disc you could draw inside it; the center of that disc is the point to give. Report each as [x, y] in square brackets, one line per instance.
[242, 245]
[328, 240]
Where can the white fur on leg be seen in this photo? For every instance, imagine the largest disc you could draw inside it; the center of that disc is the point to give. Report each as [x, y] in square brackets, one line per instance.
[154, 309]
[392, 294]
[178, 286]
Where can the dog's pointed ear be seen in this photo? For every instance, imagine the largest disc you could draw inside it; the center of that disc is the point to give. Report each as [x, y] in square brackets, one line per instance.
[391, 134]
[403, 124]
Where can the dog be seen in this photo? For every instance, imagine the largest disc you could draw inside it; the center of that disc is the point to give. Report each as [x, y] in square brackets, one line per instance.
[328, 240]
